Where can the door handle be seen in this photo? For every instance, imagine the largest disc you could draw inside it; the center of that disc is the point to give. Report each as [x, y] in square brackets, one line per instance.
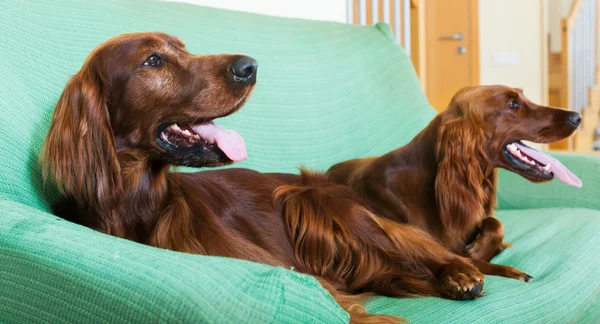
[456, 36]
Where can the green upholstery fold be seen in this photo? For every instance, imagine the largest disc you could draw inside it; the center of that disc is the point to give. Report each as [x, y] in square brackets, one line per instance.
[55, 271]
[557, 246]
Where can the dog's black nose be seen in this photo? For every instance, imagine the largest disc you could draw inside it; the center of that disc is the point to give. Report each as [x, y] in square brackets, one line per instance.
[574, 119]
[244, 69]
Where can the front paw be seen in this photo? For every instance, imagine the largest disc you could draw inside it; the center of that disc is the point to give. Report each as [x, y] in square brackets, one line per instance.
[461, 281]
[515, 273]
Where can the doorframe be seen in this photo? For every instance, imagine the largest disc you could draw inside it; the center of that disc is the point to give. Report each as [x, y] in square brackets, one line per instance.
[545, 78]
[473, 25]
[419, 41]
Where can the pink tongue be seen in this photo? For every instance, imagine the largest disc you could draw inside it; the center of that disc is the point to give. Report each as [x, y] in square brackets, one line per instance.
[556, 167]
[229, 141]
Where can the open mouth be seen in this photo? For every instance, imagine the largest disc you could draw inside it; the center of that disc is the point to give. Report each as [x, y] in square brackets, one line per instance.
[182, 138]
[538, 165]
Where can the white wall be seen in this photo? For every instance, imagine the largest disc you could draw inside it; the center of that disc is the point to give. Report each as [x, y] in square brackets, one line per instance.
[557, 10]
[331, 10]
[512, 49]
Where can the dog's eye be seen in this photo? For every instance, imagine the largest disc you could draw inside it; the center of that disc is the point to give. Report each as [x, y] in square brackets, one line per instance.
[153, 60]
[514, 104]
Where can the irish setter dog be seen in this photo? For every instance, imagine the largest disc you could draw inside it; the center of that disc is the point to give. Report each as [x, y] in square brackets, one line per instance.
[141, 104]
[444, 180]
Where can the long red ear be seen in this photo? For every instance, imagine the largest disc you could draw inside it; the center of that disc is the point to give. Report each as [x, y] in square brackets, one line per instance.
[459, 182]
[79, 153]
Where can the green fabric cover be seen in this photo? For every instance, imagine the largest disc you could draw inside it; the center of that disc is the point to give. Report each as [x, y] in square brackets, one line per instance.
[55, 271]
[326, 92]
[557, 246]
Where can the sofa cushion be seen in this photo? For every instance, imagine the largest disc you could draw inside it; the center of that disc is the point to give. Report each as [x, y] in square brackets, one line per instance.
[57, 272]
[559, 247]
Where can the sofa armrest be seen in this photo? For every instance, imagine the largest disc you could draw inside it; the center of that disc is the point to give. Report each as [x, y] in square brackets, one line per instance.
[55, 271]
[515, 192]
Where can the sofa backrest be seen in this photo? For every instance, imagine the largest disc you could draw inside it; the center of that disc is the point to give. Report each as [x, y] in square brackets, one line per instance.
[326, 91]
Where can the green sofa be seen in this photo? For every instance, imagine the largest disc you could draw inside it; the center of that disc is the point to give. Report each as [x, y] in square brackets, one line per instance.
[326, 92]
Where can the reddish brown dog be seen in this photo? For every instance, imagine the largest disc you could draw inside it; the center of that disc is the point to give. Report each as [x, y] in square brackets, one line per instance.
[444, 180]
[141, 104]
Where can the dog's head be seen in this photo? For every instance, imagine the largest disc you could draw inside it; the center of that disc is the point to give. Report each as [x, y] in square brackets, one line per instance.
[145, 94]
[489, 122]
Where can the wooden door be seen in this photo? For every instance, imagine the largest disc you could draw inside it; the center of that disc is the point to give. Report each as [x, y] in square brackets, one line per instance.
[452, 49]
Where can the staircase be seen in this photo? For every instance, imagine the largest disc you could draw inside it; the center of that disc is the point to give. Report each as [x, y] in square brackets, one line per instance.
[580, 74]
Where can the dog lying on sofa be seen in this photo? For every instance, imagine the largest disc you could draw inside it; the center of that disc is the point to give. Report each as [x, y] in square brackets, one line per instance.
[444, 180]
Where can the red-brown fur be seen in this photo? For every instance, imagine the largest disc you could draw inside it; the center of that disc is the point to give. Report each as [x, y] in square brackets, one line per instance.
[444, 180]
[102, 153]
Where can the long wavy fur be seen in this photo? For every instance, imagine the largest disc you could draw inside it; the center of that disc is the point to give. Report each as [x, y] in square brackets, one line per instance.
[79, 153]
[461, 180]
[326, 227]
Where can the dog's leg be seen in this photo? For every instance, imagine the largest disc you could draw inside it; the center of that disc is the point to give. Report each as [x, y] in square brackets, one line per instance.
[453, 276]
[427, 251]
[339, 239]
[488, 242]
[501, 270]
[336, 238]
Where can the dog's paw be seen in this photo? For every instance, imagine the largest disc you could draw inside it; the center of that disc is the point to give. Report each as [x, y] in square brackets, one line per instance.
[517, 274]
[461, 281]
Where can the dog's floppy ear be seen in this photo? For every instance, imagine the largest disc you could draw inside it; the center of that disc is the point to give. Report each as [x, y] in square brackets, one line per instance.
[79, 152]
[460, 154]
